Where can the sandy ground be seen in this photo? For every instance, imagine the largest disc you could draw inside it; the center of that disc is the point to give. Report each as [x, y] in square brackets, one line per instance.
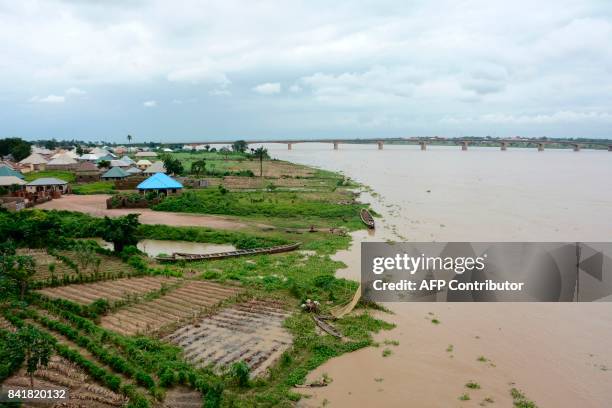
[96, 205]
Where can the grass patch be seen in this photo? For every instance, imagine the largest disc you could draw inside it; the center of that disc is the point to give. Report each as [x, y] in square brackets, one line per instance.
[520, 400]
[386, 352]
[98, 187]
[472, 385]
[60, 174]
[435, 321]
[464, 397]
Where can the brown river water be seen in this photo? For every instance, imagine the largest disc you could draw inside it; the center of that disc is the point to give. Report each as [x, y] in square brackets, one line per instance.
[559, 355]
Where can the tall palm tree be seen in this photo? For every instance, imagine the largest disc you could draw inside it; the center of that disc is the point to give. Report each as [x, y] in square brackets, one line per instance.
[129, 138]
[261, 153]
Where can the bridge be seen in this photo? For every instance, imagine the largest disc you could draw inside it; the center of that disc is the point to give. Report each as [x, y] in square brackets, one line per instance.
[423, 142]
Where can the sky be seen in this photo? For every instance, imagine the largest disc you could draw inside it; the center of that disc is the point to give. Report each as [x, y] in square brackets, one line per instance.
[186, 71]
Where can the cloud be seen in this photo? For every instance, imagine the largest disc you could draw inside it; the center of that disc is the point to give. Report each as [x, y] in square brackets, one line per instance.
[48, 99]
[561, 117]
[197, 74]
[417, 65]
[149, 104]
[269, 88]
[75, 91]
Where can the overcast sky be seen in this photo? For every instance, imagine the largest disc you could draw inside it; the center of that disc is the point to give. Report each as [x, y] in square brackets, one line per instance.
[215, 70]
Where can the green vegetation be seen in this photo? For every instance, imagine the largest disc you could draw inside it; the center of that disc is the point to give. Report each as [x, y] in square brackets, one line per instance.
[520, 400]
[142, 368]
[472, 385]
[98, 187]
[387, 352]
[60, 174]
[18, 148]
[278, 204]
[464, 397]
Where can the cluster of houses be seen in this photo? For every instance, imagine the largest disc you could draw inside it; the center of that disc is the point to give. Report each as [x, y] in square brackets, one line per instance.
[16, 193]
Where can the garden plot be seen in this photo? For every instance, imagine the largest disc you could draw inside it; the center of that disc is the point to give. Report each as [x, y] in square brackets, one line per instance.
[251, 332]
[185, 302]
[46, 264]
[111, 290]
[62, 374]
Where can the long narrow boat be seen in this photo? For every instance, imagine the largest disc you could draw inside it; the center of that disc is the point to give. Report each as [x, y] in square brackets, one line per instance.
[367, 218]
[181, 256]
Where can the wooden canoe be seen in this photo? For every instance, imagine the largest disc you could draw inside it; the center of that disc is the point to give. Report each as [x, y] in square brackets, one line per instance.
[367, 218]
[181, 256]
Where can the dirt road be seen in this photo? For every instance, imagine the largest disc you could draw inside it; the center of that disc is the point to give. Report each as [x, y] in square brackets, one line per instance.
[96, 205]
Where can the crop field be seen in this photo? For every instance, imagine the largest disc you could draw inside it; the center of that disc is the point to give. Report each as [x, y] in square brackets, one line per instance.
[43, 260]
[62, 374]
[71, 264]
[187, 301]
[111, 290]
[252, 332]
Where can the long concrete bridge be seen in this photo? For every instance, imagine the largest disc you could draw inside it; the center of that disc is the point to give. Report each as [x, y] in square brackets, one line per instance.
[425, 141]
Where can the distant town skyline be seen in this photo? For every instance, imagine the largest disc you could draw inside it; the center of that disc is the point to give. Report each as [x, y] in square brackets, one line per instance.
[225, 70]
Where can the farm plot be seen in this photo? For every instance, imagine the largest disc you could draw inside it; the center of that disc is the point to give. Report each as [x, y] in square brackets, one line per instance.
[62, 374]
[111, 290]
[251, 332]
[187, 301]
[46, 264]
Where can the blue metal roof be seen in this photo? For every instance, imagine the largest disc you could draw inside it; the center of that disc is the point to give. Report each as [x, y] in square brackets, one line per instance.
[159, 181]
[7, 171]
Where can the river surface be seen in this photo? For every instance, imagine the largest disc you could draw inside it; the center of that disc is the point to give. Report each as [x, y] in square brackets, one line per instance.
[155, 247]
[558, 354]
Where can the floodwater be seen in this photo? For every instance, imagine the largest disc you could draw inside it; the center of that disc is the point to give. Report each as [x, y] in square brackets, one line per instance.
[154, 247]
[558, 354]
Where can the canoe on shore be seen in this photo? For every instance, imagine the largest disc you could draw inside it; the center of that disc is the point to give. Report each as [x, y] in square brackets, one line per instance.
[367, 218]
[181, 256]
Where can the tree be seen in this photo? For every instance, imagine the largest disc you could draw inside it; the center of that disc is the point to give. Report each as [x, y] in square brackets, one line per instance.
[240, 146]
[225, 152]
[198, 167]
[129, 138]
[19, 149]
[18, 269]
[79, 150]
[261, 153]
[121, 231]
[104, 164]
[173, 166]
[207, 147]
[37, 348]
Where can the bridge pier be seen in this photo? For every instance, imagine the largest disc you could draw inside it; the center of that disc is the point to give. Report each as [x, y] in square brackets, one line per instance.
[335, 145]
[423, 145]
[503, 146]
[540, 147]
[610, 148]
[464, 145]
[576, 147]
[289, 146]
[380, 144]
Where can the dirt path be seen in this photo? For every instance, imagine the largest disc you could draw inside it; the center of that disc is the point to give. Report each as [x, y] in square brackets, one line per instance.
[95, 205]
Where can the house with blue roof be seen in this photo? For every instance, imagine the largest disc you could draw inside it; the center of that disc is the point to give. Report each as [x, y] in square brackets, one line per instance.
[161, 183]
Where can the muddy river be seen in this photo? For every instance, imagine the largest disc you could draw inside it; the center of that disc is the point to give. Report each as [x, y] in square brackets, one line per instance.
[558, 354]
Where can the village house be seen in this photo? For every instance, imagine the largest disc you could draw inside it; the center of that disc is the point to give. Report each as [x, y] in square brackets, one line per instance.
[143, 164]
[62, 162]
[47, 187]
[6, 170]
[146, 154]
[160, 183]
[157, 167]
[87, 172]
[34, 162]
[115, 173]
